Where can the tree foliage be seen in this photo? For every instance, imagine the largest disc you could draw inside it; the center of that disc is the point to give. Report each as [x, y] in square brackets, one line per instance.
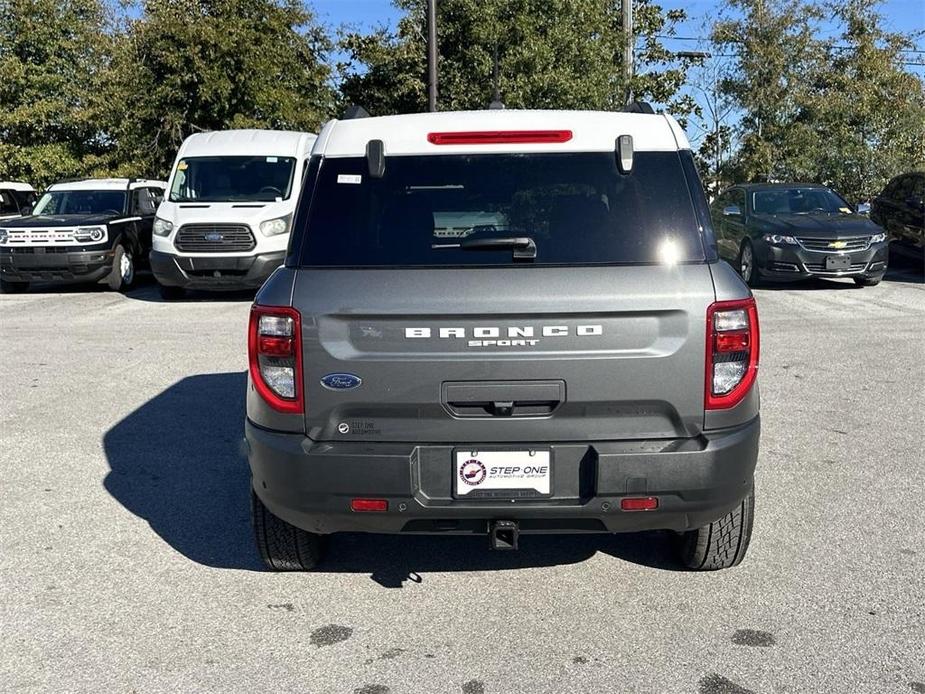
[191, 65]
[841, 110]
[52, 55]
[550, 54]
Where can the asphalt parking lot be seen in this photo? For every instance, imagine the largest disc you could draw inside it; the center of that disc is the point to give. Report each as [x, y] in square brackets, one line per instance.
[126, 562]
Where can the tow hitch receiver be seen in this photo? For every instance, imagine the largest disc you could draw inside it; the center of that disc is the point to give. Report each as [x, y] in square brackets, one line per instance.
[503, 534]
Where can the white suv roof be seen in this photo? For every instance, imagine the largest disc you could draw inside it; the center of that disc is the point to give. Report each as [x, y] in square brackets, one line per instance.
[15, 185]
[283, 143]
[107, 184]
[590, 131]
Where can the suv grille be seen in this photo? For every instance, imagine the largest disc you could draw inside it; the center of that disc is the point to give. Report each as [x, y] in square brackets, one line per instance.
[859, 243]
[214, 238]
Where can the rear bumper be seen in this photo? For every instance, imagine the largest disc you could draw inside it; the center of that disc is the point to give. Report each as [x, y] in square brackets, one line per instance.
[310, 484]
[785, 263]
[38, 264]
[214, 272]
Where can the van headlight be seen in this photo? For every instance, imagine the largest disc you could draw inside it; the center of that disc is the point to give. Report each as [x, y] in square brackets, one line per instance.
[3, 236]
[162, 227]
[89, 234]
[878, 238]
[275, 227]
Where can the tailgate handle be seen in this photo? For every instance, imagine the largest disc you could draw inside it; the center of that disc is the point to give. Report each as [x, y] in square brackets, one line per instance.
[503, 398]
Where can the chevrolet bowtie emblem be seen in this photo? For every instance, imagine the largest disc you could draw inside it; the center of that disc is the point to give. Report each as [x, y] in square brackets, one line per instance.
[838, 244]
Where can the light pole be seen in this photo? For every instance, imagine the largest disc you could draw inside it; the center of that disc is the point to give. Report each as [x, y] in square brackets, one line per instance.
[627, 7]
[431, 55]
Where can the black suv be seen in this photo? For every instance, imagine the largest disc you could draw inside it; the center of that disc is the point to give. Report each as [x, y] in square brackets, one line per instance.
[900, 209]
[794, 231]
[81, 231]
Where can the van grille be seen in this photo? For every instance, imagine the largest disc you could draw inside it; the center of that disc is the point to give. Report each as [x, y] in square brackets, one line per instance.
[859, 243]
[214, 238]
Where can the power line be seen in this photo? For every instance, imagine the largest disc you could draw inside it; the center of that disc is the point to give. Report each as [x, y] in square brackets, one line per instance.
[708, 40]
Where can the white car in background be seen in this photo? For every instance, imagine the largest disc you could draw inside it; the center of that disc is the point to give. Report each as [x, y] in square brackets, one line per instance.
[225, 221]
[16, 199]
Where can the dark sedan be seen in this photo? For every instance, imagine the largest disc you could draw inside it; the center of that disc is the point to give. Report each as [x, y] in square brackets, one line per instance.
[787, 231]
[900, 210]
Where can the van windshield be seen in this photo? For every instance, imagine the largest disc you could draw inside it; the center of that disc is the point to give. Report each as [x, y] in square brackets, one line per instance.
[232, 179]
[576, 208]
[81, 202]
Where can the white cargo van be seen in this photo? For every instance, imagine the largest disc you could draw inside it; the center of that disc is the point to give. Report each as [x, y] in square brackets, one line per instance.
[225, 220]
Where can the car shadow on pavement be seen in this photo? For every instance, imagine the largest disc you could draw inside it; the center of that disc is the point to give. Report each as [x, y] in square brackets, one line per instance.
[393, 560]
[149, 291]
[178, 463]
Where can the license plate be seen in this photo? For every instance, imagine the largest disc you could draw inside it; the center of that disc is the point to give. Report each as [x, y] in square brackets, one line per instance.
[837, 262]
[506, 474]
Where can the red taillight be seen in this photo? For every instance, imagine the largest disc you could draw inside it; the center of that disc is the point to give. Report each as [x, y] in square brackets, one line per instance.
[639, 503]
[491, 137]
[732, 342]
[369, 505]
[732, 352]
[274, 353]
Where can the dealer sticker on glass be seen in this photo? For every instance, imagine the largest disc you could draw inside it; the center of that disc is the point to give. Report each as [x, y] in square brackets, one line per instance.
[503, 473]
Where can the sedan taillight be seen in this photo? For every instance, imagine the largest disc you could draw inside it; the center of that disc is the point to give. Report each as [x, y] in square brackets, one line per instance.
[274, 352]
[732, 352]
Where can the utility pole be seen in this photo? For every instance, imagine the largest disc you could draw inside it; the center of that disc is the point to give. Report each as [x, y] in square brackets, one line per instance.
[628, 47]
[431, 55]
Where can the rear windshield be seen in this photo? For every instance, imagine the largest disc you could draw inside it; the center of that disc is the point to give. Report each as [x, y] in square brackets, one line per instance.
[577, 208]
[232, 179]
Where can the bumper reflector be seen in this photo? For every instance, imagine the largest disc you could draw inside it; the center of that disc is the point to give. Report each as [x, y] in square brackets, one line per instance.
[639, 503]
[369, 505]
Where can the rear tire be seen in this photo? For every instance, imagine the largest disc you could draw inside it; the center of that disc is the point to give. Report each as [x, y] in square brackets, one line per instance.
[123, 269]
[11, 287]
[722, 543]
[747, 268]
[864, 282]
[171, 293]
[283, 547]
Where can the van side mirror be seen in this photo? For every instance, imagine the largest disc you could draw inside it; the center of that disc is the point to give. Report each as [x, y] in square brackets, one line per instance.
[732, 211]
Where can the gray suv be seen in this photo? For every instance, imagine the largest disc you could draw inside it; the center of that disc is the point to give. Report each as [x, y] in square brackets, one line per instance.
[499, 323]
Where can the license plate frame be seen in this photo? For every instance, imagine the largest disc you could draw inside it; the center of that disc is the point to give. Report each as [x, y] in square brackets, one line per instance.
[837, 262]
[487, 473]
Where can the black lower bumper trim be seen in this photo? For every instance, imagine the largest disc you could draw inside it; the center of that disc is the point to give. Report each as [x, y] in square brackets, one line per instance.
[70, 266]
[217, 273]
[310, 484]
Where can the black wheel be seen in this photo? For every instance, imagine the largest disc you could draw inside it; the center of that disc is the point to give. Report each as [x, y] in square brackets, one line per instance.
[171, 293]
[864, 282]
[747, 264]
[123, 269]
[11, 287]
[722, 543]
[283, 547]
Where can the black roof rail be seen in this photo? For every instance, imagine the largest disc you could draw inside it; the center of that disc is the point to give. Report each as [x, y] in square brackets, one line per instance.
[638, 107]
[355, 111]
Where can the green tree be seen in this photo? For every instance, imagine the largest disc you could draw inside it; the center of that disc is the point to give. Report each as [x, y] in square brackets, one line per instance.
[774, 57]
[187, 66]
[52, 54]
[867, 111]
[551, 54]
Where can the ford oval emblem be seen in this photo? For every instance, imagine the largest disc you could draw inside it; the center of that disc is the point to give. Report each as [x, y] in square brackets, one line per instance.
[214, 236]
[341, 381]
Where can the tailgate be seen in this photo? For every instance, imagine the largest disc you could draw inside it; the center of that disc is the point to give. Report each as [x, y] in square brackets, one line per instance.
[515, 354]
